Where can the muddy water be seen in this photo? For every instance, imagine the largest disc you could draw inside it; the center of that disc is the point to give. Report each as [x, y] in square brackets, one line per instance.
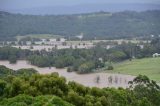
[92, 80]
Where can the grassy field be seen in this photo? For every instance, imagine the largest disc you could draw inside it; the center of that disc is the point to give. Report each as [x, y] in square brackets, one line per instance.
[41, 36]
[146, 66]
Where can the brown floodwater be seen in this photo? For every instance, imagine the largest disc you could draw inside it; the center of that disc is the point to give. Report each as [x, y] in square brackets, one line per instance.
[100, 80]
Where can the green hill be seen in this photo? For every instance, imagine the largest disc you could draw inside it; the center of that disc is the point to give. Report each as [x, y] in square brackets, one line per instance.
[102, 25]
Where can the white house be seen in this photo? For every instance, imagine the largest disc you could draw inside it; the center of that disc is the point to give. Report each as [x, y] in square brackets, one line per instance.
[152, 36]
[62, 40]
[52, 43]
[156, 55]
[28, 42]
[80, 37]
[38, 42]
[52, 40]
[109, 46]
[44, 40]
[141, 46]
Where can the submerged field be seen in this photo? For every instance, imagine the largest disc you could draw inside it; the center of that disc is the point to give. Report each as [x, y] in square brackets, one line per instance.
[147, 66]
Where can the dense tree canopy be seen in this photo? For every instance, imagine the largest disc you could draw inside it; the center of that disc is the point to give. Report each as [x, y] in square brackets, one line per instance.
[26, 100]
[38, 90]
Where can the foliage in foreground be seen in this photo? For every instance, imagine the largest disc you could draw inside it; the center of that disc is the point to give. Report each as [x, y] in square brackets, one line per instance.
[26, 100]
[26, 90]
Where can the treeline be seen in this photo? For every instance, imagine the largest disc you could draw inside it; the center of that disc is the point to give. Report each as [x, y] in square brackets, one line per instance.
[82, 60]
[79, 60]
[4, 72]
[38, 90]
[12, 54]
[102, 25]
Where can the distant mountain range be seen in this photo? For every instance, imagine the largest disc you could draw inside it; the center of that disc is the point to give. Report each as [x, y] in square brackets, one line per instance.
[84, 8]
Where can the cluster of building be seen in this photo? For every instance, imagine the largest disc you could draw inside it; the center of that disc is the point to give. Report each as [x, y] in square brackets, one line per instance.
[62, 43]
[52, 41]
[49, 44]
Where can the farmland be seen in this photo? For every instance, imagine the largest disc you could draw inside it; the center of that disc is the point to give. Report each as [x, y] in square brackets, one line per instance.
[40, 36]
[146, 66]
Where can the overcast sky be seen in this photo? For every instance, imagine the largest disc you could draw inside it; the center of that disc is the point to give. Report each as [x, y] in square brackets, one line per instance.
[18, 4]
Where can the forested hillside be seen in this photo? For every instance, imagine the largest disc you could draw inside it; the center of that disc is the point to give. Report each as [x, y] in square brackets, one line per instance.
[100, 25]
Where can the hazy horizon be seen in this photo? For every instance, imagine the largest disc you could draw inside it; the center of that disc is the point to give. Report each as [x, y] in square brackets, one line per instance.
[75, 6]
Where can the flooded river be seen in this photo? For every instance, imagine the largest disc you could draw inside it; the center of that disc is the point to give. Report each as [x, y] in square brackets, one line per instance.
[92, 80]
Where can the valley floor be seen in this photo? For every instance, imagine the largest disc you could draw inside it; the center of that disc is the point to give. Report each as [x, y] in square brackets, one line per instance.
[147, 66]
